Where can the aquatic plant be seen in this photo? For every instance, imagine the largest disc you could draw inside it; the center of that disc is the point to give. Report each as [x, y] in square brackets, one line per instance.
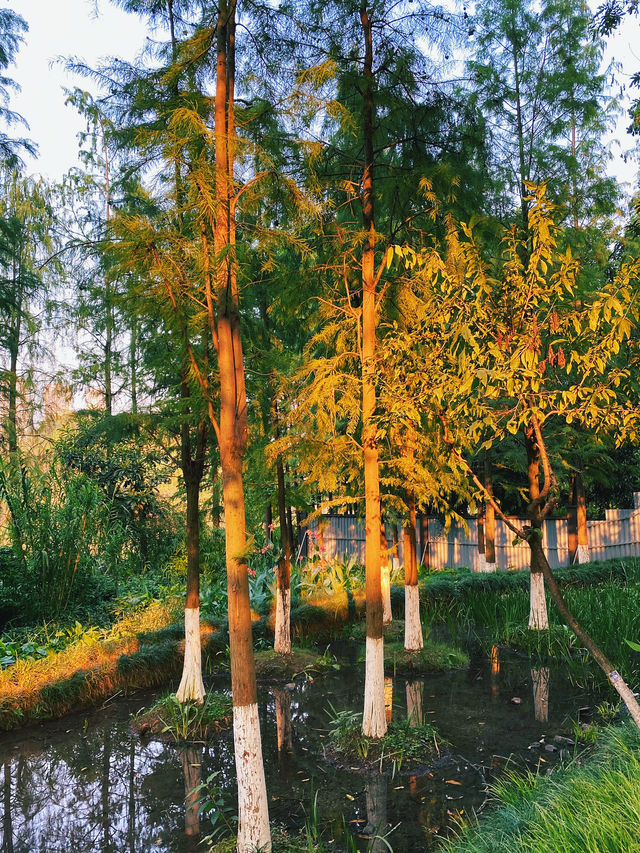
[178, 721]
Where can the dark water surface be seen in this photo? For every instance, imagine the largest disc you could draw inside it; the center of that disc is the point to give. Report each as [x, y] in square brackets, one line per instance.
[86, 784]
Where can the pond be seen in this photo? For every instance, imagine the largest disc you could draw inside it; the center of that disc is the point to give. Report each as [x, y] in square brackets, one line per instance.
[86, 784]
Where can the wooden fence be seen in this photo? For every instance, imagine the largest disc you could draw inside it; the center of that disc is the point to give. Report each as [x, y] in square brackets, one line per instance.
[618, 535]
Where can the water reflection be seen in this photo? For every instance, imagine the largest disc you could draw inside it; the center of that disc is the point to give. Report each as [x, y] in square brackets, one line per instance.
[494, 659]
[377, 825]
[283, 720]
[415, 690]
[94, 787]
[191, 758]
[540, 677]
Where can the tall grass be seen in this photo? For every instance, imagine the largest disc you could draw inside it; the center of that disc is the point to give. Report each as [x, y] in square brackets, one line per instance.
[591, 806]
[59, 530]
[604, 597]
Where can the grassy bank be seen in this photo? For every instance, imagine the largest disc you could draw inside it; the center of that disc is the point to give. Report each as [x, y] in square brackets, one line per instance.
[591, 806]
[91, 670]
[605, 598]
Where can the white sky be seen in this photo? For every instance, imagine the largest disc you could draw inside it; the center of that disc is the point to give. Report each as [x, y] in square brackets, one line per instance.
[65, 28]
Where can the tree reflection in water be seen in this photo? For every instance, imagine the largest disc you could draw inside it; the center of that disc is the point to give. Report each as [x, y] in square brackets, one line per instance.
[540, 677]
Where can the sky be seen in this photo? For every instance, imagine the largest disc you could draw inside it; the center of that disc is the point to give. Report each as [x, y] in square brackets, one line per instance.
[92, 29]
[62, 29]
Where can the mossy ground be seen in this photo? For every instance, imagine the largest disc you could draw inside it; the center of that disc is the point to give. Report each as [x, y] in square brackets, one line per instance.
[434, 657]
[171, 721]
[273, 666]
[404, 747]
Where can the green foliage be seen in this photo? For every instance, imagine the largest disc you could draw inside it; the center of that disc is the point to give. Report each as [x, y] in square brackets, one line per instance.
[592, 804]
[113, 452]
[61, 542]
[216, 807]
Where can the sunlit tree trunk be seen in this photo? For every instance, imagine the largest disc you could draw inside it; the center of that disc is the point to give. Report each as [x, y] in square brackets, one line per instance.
[282, 639]
[373, 719]
[191, 685]
[538, 618]
[582, 555]
[489, 522]
[385, 577]
[482, 561]
[412, 626]
[253, 813]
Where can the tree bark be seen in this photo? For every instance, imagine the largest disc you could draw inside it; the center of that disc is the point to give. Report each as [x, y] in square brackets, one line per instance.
[373, 719]
[538, 617]
[413, 638]
[253, 812]
[489, 522]
[282, 639]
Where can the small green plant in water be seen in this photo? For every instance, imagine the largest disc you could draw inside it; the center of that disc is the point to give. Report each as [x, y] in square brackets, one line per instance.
[403, 742]
[185, 721]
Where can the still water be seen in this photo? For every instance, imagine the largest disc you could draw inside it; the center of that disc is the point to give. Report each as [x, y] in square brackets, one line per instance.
[86, 784]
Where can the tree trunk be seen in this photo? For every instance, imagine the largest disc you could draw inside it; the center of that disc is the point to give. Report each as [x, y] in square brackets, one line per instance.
[133, 365]
[538, 618]
[282, 639]
[253, 811]
[569, 619]
[385, 577]
[482, 560]
[191, 687]
[489, 522]
[413, 639]
[582, 555]
[373, 719]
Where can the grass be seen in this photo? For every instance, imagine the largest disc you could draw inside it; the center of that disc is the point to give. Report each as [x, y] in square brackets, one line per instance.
[175, 722]
[605, 598]
[404, 744]
[590, 806]
[433, 657]
[93, 669]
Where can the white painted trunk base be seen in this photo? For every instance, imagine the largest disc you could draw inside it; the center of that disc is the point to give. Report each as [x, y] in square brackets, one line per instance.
[412, 628]
[374, 723]
[482, 562]
[253, 807]
[582, 554]
[191, 686]
[490, 567]
[538, 619]
[282, 638]
[385, 585]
